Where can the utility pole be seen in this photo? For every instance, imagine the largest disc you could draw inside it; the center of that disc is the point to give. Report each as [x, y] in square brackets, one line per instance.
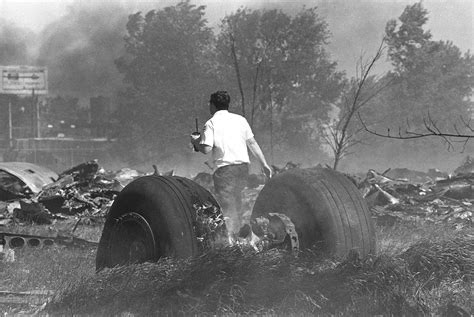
[32, 116]
[37, 114]
[10, 127]
[38, 124]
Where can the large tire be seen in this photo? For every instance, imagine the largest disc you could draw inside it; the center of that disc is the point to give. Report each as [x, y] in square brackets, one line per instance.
[326, 208]
[152, 217]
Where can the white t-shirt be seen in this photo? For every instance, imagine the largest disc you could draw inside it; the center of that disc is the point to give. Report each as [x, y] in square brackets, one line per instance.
[227, 133]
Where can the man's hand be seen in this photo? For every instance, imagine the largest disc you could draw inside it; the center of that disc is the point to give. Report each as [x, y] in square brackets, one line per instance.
[195, 139]
[198, 147]
[267, 170]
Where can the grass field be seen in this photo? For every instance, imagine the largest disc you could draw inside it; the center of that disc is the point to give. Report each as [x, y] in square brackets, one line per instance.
[418, 270]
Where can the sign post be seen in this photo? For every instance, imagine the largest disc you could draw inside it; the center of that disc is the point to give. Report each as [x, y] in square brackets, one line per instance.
[24, 80]
[21, 80]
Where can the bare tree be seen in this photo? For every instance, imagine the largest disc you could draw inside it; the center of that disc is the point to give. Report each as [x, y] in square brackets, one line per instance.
[236, 66]
[461, 133]
[258, 63]
[342, 134]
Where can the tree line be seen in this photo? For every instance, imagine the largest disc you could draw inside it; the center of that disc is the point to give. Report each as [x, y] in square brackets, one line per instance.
[280, 76]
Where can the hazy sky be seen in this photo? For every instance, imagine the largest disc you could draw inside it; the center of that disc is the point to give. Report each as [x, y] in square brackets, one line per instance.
[356, 26]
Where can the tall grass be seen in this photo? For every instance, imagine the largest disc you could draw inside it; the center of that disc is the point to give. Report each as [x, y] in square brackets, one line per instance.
[417, 271]
[46, 269]
[50, 268]
[425, 270]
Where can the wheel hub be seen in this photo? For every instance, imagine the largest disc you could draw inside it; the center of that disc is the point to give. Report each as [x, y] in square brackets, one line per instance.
[277, 231]
[134, 241]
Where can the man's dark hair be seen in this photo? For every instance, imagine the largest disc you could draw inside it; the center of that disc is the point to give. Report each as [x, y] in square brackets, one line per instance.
[220, 99]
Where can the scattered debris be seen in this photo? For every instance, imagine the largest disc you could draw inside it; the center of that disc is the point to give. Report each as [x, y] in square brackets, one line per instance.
[32, 213]
[6, 254]
[466, 167]
[209, 227]
[82, 173]
[415, 176]
[276, 231]
[12, 241]
[35, 297]
[288, 166]
[432, 199]
[123, 176]
[84, 191]
[23, 180]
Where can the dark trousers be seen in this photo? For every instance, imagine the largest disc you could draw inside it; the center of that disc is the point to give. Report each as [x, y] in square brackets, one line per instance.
[229, 181]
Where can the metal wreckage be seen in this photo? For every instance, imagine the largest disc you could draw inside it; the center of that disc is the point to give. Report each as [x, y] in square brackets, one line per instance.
[148, 216]
[401, 195]
[34, 195]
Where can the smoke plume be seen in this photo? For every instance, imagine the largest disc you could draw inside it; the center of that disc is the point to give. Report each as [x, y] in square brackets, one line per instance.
[14, 44]
[80, 48]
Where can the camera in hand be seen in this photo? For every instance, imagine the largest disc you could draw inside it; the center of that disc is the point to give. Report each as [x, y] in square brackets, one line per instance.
[195, 136]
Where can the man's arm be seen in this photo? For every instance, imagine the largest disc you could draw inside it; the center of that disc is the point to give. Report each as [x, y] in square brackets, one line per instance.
[203, 148]
[205, 140]
[257, 152]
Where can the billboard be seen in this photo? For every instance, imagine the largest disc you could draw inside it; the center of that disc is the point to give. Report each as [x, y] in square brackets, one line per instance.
[23, 80]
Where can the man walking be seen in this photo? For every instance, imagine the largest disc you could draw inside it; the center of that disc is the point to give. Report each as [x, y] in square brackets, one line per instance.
[228, 136]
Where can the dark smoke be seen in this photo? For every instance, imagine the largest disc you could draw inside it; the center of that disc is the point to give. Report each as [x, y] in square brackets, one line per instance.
[80, 48]
[14, 44]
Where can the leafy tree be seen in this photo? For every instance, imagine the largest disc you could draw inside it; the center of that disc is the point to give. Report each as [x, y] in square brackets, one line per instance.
[431, 92]
[167, 67]
[432, 76]
[285, 73]
[404, 41]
